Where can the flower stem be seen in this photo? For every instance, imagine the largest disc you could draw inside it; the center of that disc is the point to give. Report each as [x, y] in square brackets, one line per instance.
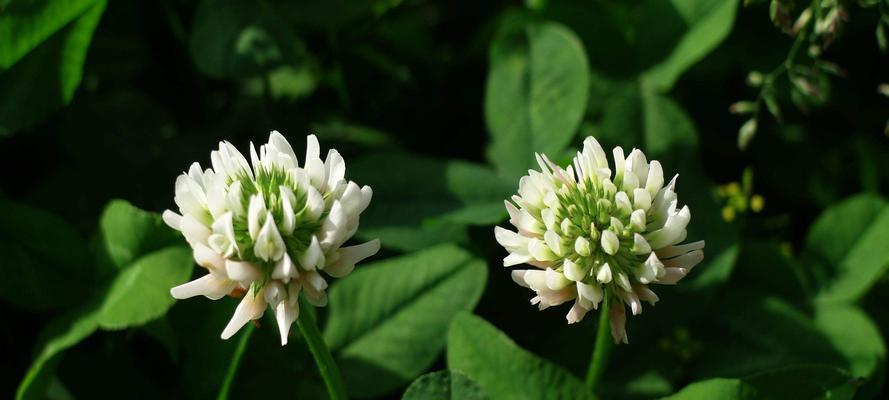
[328, 369]
[602, 349]
[235, 363]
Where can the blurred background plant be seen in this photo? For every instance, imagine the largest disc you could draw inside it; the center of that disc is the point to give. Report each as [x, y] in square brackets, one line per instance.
[439, 106]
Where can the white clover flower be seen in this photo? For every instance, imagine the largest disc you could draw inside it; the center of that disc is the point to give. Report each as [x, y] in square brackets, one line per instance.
[269, 228]
[589, 232]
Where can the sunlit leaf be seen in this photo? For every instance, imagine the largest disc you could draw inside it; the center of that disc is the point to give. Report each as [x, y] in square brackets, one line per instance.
[847, 248]
[386, 319]
[43, 47]
[503, 369]
[421, 201]
[443, 385]
[536, 92]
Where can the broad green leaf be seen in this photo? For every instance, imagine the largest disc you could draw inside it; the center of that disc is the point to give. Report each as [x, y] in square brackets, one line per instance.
[766, 332]
[422, 201]
[717, 388]
[503, 369]
[855, 336]
[846, 248]
[386, 319]
[141, 292]
[707, 23]
[235, 39]
[46, 262]
[443, 385]
[24, 25]
[804, 382]
[536, 92]
[42, 51]
[128, 232]
[58, 336]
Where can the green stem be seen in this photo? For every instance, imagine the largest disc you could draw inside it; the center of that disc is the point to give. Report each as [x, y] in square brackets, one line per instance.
[602, 351]
[328, 369]
[235, 363]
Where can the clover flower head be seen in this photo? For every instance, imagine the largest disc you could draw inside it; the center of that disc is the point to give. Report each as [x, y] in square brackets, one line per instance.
[267, 229]
[589, 231]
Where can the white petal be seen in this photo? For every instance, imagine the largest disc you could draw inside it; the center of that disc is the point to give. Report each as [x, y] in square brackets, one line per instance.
[554, 242]
[207, 258]
[255, 212]
[312, 256]
[618, 319]
[687, 261]
[528, 278]
[285, 269]
[672, 230]
[366, 195]
[637, 220]
[576, 313]
[622, 201]
[209, 286]
[335, 168]
[672, 276]
[511, 241]
[281, 144]
[241, 271]
[556, 280]
[655, 177]
[673, 251]
[640, 245]
[633, 301]
[592, 293]
[314, 287]
[573, 271]
[349, 256]
[314, 204]
[288, 220]
[516, 259]
[623, 281]
[604, 274]
[313, 149]
[285, 313]
[582, 246]
[610, 242]
[172, 219]
[193, 230]
[269, 245]
[251, 307]
[645, 294]
[641, 199]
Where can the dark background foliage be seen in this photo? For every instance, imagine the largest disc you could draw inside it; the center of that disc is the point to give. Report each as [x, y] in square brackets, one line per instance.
[402, 89]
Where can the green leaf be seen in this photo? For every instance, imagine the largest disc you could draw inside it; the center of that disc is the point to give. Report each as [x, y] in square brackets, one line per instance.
[716, 388]
[386, 319]
[767, 332]
[141, 292]
[707, 23]
[46, 261]
[502, 368]
[422, 201]
[805, 382]
[236, 39]
[536, 92]
[846, 248]
[796, 382]
[59, 335]
[128, 232]
[855, 336]
[26, 25]
[443, 385]
[42, 52]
